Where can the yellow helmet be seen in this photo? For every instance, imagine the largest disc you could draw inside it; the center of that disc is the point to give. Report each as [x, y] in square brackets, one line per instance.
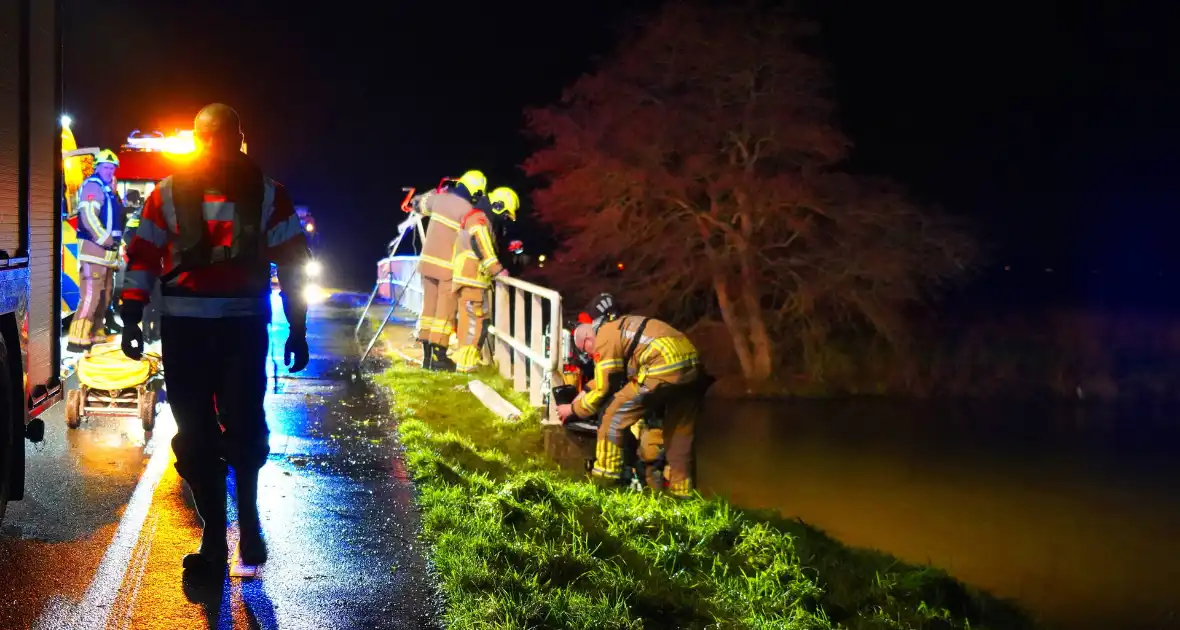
[504, 200]
[475, 183]
[106, 156]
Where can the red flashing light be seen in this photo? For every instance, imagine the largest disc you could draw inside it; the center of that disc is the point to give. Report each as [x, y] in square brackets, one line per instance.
[620, 266]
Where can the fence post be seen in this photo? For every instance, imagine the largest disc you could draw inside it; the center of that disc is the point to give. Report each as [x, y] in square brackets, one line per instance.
[502, 322]
[537, 340]
[556, 346]
[520, 372]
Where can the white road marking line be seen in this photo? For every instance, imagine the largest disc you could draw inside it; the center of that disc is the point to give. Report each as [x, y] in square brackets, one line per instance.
[93, 612]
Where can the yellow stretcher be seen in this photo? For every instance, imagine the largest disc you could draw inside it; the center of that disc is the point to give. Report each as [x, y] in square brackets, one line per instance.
[111, 384]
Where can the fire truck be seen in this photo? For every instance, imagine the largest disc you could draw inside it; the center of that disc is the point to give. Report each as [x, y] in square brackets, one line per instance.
[30, 235]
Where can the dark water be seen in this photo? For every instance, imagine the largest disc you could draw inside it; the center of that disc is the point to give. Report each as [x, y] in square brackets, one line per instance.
[1075, 514]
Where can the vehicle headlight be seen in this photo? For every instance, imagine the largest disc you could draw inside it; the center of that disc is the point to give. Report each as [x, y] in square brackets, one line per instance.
[313, 269]
[314, 293]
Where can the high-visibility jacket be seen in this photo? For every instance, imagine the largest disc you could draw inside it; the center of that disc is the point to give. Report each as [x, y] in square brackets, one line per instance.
[662, 353]
[100, 223]
[445, 210]
[221, 281]
[474, 261]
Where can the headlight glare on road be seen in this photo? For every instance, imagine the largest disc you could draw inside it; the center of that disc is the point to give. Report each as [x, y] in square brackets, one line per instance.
[314, 269]
[314, 293]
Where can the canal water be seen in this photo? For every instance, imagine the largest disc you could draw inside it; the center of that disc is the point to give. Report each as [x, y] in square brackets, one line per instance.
[1073, 513]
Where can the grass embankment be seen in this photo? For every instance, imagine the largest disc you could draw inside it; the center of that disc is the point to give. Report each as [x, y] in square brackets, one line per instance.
[519, 543]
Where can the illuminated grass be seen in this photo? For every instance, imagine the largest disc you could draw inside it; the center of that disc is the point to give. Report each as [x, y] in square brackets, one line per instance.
[518, 543]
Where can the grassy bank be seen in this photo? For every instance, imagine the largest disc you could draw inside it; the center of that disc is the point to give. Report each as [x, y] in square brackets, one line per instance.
[519, 543]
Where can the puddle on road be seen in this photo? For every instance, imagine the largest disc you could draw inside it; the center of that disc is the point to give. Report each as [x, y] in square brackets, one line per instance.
[22, 599]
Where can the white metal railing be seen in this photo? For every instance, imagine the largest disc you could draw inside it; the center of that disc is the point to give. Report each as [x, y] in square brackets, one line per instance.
[397, 277]
[524, 318]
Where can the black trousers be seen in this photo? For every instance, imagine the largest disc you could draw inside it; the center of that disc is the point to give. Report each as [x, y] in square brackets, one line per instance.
[215, 371]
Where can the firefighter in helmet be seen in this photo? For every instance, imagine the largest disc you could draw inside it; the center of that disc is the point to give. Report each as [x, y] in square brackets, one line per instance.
[649, 366]
[215, 313]
[100, 233]
[474, 265]
[446, 209]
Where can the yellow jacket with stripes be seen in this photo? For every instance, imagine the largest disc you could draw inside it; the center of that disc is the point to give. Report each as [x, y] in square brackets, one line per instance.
[474, 261]
[663, 355]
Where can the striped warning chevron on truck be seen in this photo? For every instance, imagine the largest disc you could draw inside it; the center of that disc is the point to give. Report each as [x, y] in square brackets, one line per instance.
[70, 286]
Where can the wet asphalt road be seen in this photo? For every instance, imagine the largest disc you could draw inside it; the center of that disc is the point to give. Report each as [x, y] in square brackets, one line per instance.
[98, 540]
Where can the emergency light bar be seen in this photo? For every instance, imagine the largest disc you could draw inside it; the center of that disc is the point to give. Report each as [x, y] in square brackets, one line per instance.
[179, 144]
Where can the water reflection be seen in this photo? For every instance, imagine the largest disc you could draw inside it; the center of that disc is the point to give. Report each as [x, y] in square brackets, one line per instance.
[1070, 512]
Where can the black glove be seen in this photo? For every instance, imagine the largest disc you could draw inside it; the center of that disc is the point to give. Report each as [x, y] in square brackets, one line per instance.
[295, 353]
[132, 315]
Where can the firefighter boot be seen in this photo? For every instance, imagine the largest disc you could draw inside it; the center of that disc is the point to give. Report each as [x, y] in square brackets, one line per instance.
[213, 555]
[427, 355]
[251, 544]
[440, 362]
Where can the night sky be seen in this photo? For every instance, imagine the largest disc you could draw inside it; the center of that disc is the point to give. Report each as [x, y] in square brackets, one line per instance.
[1056, 131]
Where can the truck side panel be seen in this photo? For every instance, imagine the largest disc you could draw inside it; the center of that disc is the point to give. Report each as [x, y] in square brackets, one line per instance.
[45, 183]
[10, 126]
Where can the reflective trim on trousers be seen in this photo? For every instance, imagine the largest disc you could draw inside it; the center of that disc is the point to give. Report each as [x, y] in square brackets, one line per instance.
[110, 261]
[608, 460]
[178, 306]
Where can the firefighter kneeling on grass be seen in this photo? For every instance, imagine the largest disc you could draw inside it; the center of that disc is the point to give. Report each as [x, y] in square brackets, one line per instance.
[475, 264]
[660, 369]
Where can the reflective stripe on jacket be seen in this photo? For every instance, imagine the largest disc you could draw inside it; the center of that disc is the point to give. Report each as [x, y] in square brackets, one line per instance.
[221, 289]
[445, 210]
[99, 220]
[662, 354]
[474, 262]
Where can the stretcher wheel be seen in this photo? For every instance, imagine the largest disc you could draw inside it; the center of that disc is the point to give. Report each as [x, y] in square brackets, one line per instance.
[74, 399]
[147, 409]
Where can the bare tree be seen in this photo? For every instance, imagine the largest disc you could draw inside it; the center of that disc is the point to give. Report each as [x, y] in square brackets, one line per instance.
[701, 157]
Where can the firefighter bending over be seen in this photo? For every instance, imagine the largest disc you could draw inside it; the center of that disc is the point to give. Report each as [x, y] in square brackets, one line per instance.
[446, 210]
[659, 368]
[100, 233]
[474, 266]
[208, 234]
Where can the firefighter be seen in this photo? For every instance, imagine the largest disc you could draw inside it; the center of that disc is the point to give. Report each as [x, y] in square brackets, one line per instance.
[655, 368]
[446, 209]
[208, 235]
[474, 265]
[100, 232]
